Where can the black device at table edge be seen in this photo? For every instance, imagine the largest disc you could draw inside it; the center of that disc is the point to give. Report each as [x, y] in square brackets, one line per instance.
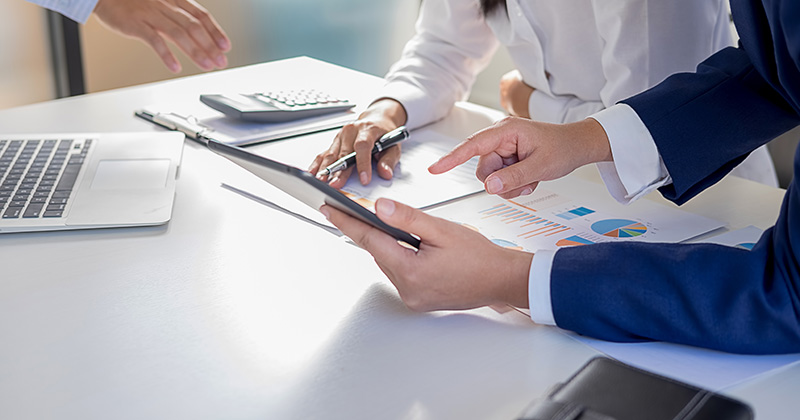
[606, 389]
[305, 187]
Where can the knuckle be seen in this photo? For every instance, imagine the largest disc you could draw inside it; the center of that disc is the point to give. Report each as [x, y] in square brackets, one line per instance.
[414, 302]
[175, 33]
[196, 30]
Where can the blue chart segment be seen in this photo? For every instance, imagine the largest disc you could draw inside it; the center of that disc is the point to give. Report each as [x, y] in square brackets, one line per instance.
[574, 240]
[619, 228]
[578, 212]
[746, 245]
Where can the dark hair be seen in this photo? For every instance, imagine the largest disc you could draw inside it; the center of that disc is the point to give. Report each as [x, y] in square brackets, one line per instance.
[489, 6]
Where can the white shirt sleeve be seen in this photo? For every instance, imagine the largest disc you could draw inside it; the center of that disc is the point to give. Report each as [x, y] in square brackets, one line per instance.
[77, 10]
[636, 170]
[439, 64]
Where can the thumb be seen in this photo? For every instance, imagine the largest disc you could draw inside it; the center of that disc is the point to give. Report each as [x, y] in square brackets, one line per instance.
[409, 219]
[512, 177]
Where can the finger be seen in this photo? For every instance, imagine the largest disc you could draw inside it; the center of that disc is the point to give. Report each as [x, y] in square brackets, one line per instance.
[181, 28]
[365, 140]
[315, 165]
[340, 178]
[207, 20]
[521, 191]
[427, 227]
[151, 37]
[512, 177]
[387, 161]
[190, 16]
[381, 245]
[326, 158]
[487, 165]
[481, 143]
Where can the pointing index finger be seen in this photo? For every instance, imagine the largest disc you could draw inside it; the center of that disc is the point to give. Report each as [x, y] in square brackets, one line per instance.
[481, 143]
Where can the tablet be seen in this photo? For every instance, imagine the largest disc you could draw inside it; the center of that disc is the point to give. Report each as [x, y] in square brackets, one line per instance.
[303, 186]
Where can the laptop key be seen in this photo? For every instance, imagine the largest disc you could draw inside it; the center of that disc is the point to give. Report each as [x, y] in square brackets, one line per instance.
[12, 213]
[68, 178]
[55, 207]
[52, 213]
[33, 210]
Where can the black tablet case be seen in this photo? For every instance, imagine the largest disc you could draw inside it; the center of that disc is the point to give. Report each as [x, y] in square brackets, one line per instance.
[605, 389]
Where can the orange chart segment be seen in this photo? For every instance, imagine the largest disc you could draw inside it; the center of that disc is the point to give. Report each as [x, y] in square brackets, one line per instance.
[619, 228]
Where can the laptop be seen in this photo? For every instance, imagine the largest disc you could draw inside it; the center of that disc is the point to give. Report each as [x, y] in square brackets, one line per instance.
[83, 181]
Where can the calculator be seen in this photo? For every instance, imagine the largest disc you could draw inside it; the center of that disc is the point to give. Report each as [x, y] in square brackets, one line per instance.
[276, 106]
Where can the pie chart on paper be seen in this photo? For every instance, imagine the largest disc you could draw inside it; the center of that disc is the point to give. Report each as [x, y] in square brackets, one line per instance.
[619, 228]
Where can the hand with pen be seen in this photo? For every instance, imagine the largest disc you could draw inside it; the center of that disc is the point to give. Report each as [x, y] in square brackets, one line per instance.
[360, 137]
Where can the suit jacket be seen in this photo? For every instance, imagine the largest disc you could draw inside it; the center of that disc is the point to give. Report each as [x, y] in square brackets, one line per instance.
[704, 124]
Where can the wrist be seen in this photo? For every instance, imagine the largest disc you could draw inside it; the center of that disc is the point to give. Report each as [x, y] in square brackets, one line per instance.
[593, 145]
[386, 108]
[512, 279]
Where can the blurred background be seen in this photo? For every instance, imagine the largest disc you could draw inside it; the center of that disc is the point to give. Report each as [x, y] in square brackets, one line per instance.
[365, 35]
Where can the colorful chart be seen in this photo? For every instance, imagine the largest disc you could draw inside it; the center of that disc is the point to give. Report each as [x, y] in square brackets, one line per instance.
[574, 241]
[619, 228]
[531, 224]
[577, 212]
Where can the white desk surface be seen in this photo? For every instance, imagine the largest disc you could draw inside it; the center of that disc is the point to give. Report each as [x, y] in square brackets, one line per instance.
[236, 311]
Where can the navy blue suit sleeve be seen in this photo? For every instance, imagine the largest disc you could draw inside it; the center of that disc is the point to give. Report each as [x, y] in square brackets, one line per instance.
[704, 124]
[705, 295]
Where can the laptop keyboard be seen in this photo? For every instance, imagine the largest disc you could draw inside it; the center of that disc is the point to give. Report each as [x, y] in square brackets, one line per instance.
[37, 176]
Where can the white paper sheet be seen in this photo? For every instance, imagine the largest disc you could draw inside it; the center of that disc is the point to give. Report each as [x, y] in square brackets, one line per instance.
[412, 184]
[572, 212]
[742, 238]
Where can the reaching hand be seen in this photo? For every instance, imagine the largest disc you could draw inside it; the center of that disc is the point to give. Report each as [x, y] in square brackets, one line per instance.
[454, 268]
[183, 22]
[515, 154]
[360, 136]
[515, 94]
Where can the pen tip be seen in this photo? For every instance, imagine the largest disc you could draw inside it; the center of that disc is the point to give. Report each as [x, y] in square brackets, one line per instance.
[323, 173]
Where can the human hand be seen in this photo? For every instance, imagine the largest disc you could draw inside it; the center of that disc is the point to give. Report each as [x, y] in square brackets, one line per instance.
[454, 268]
[515, 154]
[360, 136]
[184, 22]
[515, 94]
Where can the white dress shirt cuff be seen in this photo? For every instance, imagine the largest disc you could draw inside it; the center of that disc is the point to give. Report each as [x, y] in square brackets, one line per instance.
[77, 10]
[637, 168]
[539, 288]
[415, 101]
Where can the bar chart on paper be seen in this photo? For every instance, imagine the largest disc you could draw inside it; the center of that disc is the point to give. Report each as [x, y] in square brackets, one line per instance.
[565, 214]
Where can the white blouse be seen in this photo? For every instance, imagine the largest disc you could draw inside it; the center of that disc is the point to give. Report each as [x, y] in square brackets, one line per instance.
[580, 56]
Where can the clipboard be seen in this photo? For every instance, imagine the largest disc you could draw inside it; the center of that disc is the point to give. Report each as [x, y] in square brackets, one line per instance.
[203, 125]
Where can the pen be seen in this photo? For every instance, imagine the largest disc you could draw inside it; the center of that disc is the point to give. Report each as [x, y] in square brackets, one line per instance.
[386, 141]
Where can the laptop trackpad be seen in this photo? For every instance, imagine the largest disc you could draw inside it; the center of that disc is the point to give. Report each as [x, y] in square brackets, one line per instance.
[134, 174]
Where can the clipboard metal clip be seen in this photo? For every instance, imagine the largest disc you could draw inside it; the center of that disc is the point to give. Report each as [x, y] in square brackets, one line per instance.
[188, 125]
